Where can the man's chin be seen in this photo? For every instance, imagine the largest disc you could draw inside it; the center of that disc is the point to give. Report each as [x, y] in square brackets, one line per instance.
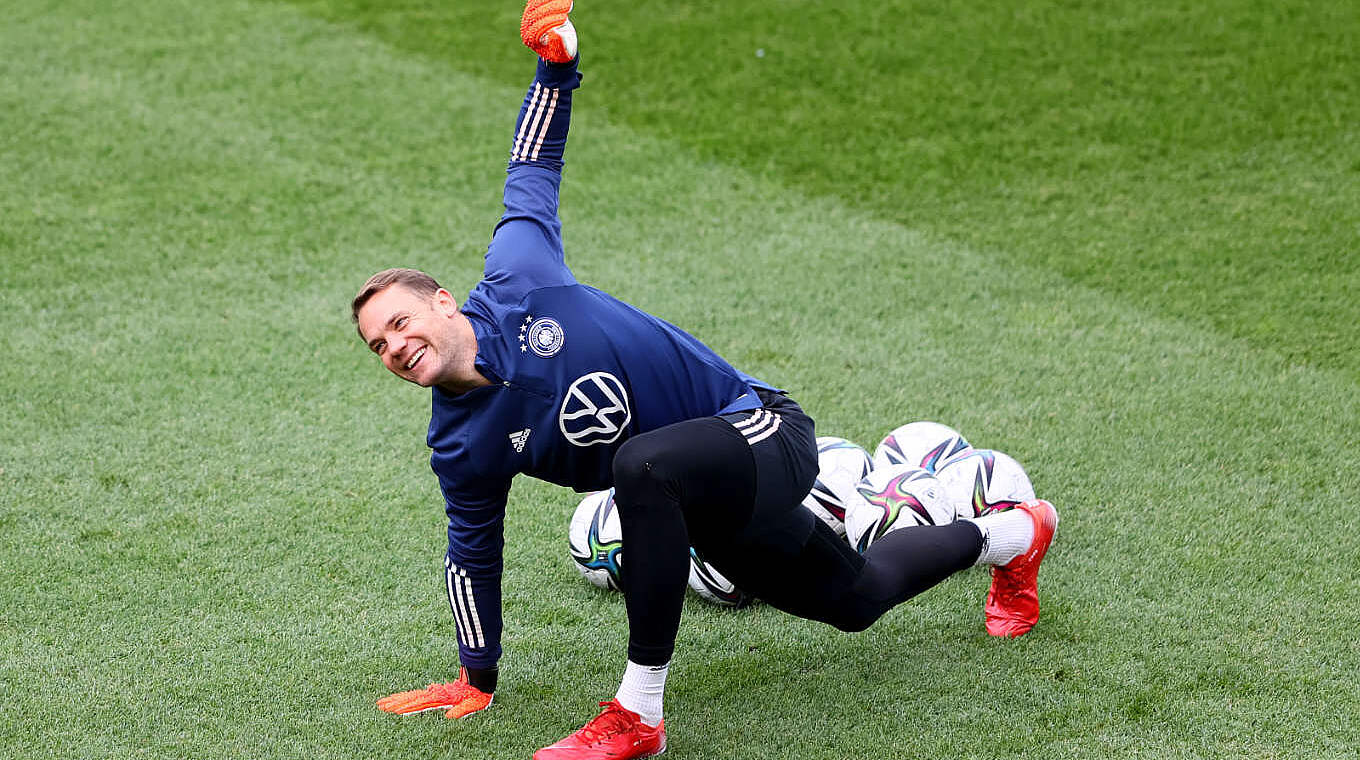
[420, 380]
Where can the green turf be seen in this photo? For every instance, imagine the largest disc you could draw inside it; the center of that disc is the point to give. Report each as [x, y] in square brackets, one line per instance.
[217, 524]
[1199, 160]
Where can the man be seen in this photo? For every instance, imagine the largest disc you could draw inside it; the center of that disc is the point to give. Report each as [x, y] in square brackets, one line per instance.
[537, 373]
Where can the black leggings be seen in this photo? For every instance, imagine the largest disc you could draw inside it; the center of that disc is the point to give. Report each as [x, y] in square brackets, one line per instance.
[732, 487]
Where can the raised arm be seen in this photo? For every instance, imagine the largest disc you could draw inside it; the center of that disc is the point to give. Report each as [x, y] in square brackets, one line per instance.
[526, 248]
[541, 130]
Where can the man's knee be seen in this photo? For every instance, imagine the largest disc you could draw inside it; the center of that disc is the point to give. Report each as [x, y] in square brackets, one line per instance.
[855, 619]
[649, 473]
[639, 465]
[845, 610]
[817, 581]
[694, 461]
[702, 467]
[856, 612]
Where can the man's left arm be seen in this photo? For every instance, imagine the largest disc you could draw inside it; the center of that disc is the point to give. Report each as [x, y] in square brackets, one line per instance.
[526, 248]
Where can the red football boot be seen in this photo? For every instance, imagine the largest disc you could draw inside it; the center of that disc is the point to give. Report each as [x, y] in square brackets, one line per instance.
[1013, 601]
[617, 733]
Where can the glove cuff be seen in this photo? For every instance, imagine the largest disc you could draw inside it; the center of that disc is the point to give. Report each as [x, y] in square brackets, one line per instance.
[482, 679]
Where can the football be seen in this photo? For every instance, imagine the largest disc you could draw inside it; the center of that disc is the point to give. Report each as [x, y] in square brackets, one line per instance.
[710, 584]
[984, 481]
[841, 464]
[596, 540]
[928, 445]
[893, 497]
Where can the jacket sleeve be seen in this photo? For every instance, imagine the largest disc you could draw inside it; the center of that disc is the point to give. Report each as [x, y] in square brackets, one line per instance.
[473, 566]
[526, 249]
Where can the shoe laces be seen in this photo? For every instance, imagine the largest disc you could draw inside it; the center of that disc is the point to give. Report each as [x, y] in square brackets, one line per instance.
[615, 719]
[1007, 585]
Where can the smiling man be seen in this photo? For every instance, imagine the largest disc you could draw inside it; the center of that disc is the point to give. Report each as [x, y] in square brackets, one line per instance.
[536, 373]
[419, 333]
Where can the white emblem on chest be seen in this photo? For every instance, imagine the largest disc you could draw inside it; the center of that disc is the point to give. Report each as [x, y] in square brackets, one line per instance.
[543, 336]
[595, 410]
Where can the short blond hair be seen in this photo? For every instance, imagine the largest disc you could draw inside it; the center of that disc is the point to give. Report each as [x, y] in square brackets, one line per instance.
[412, 279]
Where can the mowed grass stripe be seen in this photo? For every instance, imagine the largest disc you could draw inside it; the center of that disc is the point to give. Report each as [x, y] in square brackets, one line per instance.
[1197, 159]
[247, 490]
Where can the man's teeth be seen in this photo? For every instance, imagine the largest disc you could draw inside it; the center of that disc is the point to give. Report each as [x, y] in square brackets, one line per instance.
[415, 358]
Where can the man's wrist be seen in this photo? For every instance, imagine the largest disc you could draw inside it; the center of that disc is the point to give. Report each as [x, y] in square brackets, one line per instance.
[559, 75]
[482, 679]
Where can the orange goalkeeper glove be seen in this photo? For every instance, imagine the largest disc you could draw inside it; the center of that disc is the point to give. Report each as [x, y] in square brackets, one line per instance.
[545, 28]
[457, 699]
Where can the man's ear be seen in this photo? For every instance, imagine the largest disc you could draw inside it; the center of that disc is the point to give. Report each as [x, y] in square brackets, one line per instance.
[445, 303]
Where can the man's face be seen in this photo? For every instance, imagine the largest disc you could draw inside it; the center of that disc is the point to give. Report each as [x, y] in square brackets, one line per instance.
[414, 336]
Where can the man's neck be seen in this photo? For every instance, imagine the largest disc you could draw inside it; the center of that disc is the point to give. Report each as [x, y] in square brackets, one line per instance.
[471, 381]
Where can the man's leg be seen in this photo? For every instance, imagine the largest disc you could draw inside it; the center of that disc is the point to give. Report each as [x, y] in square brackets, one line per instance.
[807, 570]
[732, 487]
[827, 581]
[659, 478]
[823, 578]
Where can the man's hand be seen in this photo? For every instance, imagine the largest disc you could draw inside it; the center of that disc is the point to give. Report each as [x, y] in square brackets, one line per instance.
[545, 28]
[457, 699]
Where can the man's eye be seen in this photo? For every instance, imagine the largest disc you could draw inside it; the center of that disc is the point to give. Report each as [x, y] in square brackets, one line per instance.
[401, 322]
[379, 346]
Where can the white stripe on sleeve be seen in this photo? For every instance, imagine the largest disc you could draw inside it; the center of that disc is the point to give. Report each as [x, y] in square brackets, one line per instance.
[524, 125]
[547, 122]
[532, 118]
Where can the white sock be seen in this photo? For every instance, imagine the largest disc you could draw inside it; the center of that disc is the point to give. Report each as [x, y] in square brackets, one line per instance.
[1005, 536]
[642, 690]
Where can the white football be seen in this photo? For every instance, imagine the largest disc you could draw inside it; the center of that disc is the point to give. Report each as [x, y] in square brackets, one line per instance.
[928, 445]
[893, 497]
[841, 464]
[984, 481]
[710, 584]
[596, 540]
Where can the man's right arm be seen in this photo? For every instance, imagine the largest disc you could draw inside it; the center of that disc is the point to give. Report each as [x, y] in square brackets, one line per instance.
[473, 566]
[472, 579]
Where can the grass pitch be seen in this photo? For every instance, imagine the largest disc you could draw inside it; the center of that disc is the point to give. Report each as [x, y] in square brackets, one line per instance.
[1116, 241]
